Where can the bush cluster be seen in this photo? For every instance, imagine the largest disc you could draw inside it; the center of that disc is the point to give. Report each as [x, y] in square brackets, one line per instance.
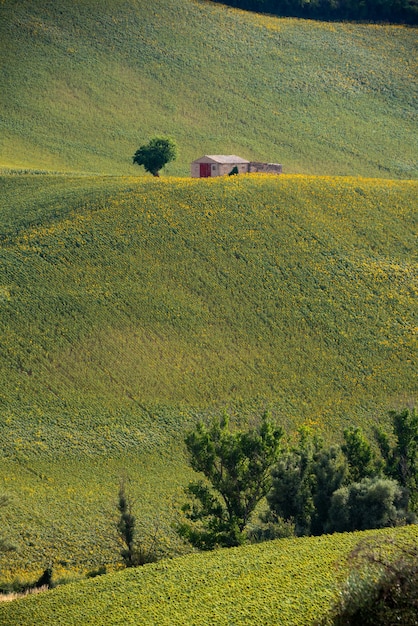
[347, 488]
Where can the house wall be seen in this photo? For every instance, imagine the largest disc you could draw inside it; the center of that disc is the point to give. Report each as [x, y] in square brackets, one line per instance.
[218, 169]
[195, 170]
[265, 168]
[225, 168]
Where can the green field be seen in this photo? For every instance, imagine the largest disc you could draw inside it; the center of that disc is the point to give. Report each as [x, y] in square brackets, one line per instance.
[83, 87]
[291, 582]
[130, 307]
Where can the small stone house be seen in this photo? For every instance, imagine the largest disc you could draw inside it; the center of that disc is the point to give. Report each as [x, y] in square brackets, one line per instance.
[218, 165]
[211, 165]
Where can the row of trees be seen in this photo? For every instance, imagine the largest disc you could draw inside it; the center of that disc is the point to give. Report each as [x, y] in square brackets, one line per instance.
[404, 11]
[310, 488]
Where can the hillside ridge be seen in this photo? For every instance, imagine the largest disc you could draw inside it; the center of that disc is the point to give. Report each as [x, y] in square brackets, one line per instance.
[82, 89]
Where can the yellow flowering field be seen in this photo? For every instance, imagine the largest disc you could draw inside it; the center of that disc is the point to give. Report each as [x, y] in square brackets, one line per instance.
[291, 582]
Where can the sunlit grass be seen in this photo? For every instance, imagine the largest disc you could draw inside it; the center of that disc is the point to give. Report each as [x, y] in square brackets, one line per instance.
[82, 88]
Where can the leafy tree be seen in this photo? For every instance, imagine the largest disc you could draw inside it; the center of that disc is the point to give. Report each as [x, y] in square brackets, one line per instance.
[358, 452]
[291, 496]
[322, 489]
[371, 503]
[401, 458]
[330, 471]
[237, 467]
[155, 154]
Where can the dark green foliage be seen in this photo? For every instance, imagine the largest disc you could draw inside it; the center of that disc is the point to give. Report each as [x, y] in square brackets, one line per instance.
[291, 496]
[136, 551]
[341, 488]
[212, 525]
[359, 455]
[45, 580]
[371, 503]
[401, 458]
[237, 468]
[126, 527]
[234, 171]
[382, 589]
[330, 471]
[154, 155]
[303, 483]
[379, 10]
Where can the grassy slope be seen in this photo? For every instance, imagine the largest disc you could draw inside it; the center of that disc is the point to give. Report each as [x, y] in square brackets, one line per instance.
[294, 294]
[83, 86]
[291, 582]
[139, 304]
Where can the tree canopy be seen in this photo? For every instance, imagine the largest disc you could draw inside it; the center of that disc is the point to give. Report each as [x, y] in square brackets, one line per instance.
[401, 458]
[325, 489]
[310, 488]
[237, 468]
[155, 154]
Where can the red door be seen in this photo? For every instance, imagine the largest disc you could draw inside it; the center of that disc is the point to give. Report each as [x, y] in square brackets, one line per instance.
[204, 170]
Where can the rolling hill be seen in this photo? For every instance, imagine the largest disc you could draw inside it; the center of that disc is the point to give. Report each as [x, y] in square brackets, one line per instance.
[131, 307]
[291, 582]
[83, 85]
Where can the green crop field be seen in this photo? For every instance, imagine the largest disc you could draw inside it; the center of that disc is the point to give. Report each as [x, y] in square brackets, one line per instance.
[290, 582]
[84, 84]
[130, 306]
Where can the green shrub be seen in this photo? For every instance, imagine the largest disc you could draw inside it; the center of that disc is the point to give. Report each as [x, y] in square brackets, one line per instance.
[382, 589]
[372, 503]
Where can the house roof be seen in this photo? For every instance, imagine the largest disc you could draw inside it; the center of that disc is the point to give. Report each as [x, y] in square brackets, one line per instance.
[222, 158]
